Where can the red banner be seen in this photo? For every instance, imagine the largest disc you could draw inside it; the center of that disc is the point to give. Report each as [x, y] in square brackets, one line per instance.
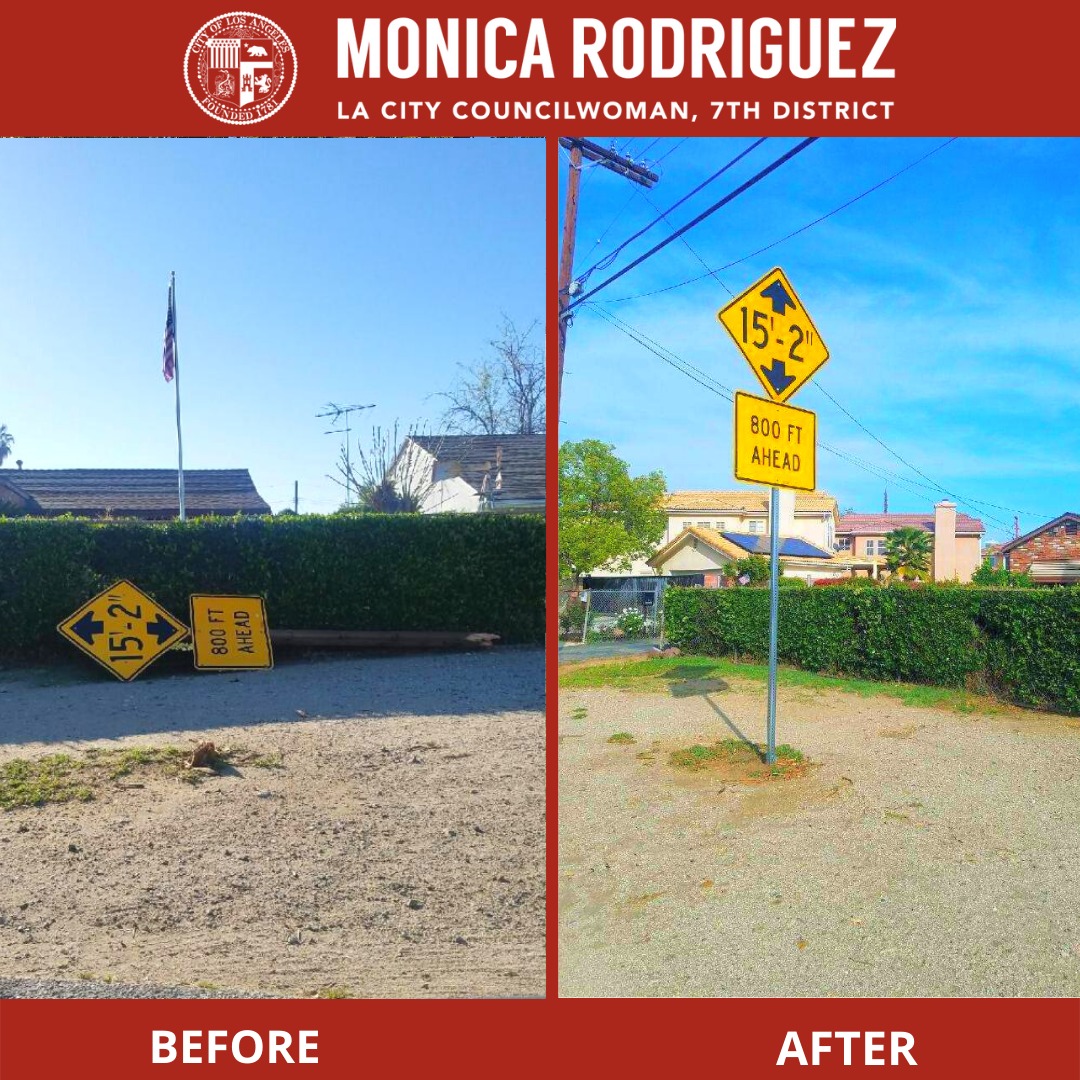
[486, 69]
[942, 1039]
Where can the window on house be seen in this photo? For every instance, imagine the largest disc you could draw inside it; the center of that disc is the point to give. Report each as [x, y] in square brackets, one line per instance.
[721, 526]
[756, 526]
[844, 543]
[687, 524]
[880, 548]
[704, 524]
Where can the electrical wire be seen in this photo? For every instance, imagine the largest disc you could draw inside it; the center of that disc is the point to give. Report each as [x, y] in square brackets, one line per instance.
[608, 259]
[745, 186]
[688, 369]
[668, 153]
[790, 235]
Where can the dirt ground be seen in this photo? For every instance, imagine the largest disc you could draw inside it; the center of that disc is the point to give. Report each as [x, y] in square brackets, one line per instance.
[398, 850]
[924, 853]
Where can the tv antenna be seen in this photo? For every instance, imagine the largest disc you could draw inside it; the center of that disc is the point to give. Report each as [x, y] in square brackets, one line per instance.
[335, 413]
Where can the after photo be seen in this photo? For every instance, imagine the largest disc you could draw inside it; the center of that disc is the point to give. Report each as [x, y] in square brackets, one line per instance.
[819, 568]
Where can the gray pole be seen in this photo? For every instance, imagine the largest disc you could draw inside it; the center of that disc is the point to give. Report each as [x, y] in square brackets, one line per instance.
[774, 605]
[296, 496]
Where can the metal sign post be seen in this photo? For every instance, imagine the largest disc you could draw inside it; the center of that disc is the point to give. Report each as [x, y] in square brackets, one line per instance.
[774, 605]
[775, 444]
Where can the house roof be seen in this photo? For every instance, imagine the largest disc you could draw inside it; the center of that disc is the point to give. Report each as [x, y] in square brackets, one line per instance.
[523, 463]
[880, 524]
[794, 547]
[1068, 516]
[746, 500]
[124, 492]
[739, 545]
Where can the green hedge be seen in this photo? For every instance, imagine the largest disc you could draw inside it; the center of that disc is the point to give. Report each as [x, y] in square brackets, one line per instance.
[476, 572]
[1023, 644]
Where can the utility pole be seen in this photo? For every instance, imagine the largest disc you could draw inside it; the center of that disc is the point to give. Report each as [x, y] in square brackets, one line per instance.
[296, 496]
[616, 163]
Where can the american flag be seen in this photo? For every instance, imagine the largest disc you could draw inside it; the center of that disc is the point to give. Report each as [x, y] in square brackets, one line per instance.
[168, 355]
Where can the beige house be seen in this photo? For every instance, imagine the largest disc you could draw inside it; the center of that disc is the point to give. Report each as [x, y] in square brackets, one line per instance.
[812, 515]
[701, 555]
[957, 538]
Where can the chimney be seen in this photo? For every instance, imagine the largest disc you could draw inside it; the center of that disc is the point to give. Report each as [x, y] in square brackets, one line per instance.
[786, 524]
[944, 560]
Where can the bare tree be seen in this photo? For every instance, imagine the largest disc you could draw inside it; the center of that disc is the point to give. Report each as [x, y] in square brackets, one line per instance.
[502, 394]
[392, 474]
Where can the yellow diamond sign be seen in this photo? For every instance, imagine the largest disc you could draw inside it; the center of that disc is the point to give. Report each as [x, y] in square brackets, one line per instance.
[230, 632]
[123, 630]
[775, 444]
[776, 335]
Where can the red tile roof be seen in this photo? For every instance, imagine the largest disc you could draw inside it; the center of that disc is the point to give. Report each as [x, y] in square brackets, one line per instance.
[880, 524]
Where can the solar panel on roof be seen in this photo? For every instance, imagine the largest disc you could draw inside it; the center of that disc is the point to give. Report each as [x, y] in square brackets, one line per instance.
[793, 547]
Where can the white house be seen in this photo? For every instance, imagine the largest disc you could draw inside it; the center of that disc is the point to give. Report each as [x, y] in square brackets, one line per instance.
[471, 473]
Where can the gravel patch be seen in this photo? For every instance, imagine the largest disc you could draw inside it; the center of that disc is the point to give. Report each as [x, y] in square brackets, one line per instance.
[929, 853]
[398, 850]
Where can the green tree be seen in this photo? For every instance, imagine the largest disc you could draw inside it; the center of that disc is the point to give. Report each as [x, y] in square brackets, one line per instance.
[6, 439]
[999, 576]
[908, 552]
[754, 567]
[606, 516]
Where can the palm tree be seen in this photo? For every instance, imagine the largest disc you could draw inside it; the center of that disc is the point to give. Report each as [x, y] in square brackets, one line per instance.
[908, 552]
[6, 439]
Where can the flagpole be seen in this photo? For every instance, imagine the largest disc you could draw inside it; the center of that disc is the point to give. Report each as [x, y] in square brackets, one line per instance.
[176, 369]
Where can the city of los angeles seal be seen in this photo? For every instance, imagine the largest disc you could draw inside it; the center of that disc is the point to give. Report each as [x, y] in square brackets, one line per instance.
[240, 68]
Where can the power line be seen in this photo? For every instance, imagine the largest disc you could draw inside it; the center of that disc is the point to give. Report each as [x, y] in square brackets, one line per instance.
[705, 380]
[746, 185]
[668, 153]
[790, 235]
[608, 259]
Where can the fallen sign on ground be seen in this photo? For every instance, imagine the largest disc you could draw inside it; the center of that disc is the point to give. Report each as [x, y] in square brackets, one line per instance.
[230, 633]
[123, 629]
[383, 639]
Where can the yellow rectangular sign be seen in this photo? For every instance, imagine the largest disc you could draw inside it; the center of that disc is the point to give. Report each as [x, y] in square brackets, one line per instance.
[775, 444]
[123, 629]
[230, 632]
[775, 334]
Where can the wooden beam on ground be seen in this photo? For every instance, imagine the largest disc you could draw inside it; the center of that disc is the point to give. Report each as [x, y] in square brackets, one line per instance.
[382, 639]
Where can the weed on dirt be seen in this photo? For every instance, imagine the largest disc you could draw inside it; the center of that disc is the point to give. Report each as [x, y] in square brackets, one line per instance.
[741, 760]
[623, 738]
[59, 778]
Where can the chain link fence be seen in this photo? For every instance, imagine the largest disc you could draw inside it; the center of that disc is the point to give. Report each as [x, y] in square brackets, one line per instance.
[619, 609]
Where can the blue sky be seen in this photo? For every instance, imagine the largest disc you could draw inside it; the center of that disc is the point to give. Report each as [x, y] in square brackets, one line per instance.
[949, 299]
[308, 271]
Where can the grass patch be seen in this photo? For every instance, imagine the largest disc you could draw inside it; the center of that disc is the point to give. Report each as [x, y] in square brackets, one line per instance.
[735, 755]
[59, 778]
[335, 993]
[683, 676]
[54, 778]
[579, 713]
[622, 738]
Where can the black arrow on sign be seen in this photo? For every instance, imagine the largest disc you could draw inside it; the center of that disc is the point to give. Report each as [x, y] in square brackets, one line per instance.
[161, 628]
[777, 375]
[88, 628]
